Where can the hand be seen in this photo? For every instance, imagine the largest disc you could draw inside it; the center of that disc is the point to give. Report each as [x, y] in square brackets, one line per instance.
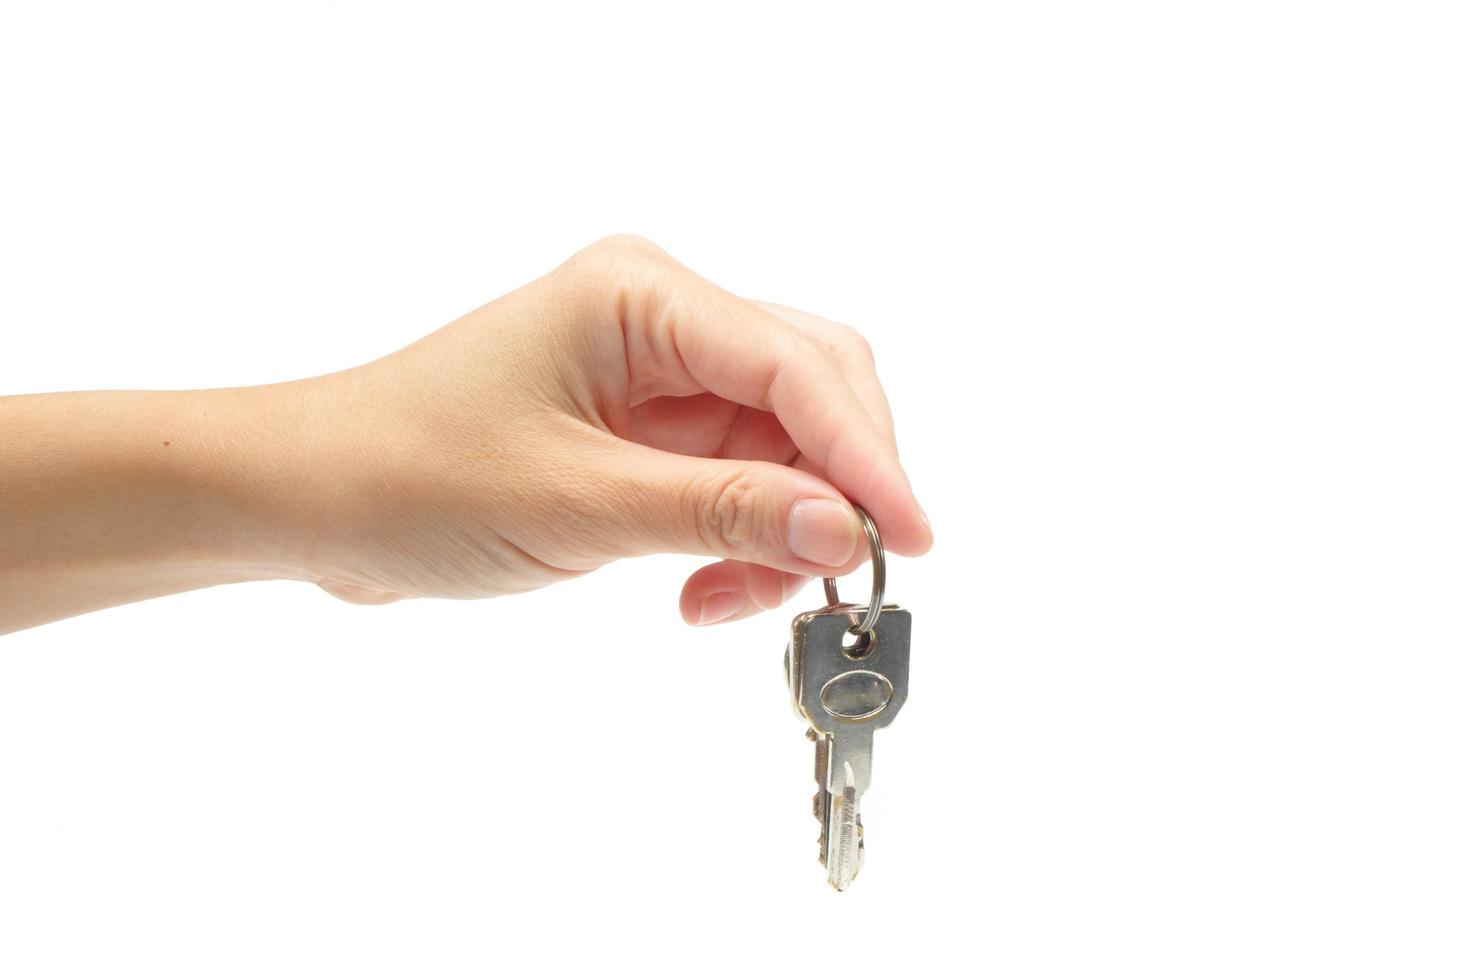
[619, 406]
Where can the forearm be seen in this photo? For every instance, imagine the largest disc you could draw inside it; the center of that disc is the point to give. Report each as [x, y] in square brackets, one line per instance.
[111, 497]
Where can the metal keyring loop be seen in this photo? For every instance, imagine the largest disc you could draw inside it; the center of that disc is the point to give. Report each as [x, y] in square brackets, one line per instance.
[880, 577]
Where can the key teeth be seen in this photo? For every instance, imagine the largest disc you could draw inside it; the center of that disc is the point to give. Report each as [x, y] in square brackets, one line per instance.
[819, 812]
[820, 797]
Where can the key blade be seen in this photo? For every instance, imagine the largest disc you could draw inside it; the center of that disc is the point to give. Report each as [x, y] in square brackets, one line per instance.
[850, 751]
[844, 833]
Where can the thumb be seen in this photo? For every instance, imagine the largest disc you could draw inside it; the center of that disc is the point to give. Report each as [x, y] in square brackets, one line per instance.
[752, 511]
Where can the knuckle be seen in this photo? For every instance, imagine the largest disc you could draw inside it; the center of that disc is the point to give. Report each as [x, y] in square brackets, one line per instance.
[616, 262]
[860, 347]
[728, 515]
[847, 343]
[627, 246]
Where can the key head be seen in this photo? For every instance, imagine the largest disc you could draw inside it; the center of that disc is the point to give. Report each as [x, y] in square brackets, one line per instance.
[839, 685]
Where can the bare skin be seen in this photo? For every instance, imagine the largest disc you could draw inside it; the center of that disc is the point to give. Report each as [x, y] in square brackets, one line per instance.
[618, 406]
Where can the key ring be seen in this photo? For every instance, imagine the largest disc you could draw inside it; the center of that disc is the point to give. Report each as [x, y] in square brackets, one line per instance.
[880, 577]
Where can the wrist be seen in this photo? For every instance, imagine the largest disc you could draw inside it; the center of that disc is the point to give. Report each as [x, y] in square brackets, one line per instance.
[303, 470]
[235, 465]
[275, 475]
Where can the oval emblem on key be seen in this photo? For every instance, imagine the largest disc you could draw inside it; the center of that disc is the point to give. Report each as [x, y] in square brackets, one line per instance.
[856, 695]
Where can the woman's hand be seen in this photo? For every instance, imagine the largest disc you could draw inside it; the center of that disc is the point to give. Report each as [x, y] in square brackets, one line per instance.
[619, 406]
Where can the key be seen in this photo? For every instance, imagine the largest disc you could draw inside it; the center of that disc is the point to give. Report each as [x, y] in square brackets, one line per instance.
[846, 687]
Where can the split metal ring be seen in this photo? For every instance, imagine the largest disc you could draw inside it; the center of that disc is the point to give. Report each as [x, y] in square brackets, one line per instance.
[880, 577]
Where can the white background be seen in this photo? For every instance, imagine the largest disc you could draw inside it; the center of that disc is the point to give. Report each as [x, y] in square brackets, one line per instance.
[1170, 299]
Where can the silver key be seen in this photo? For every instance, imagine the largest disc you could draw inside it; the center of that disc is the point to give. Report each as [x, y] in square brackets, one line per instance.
[846, 685]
